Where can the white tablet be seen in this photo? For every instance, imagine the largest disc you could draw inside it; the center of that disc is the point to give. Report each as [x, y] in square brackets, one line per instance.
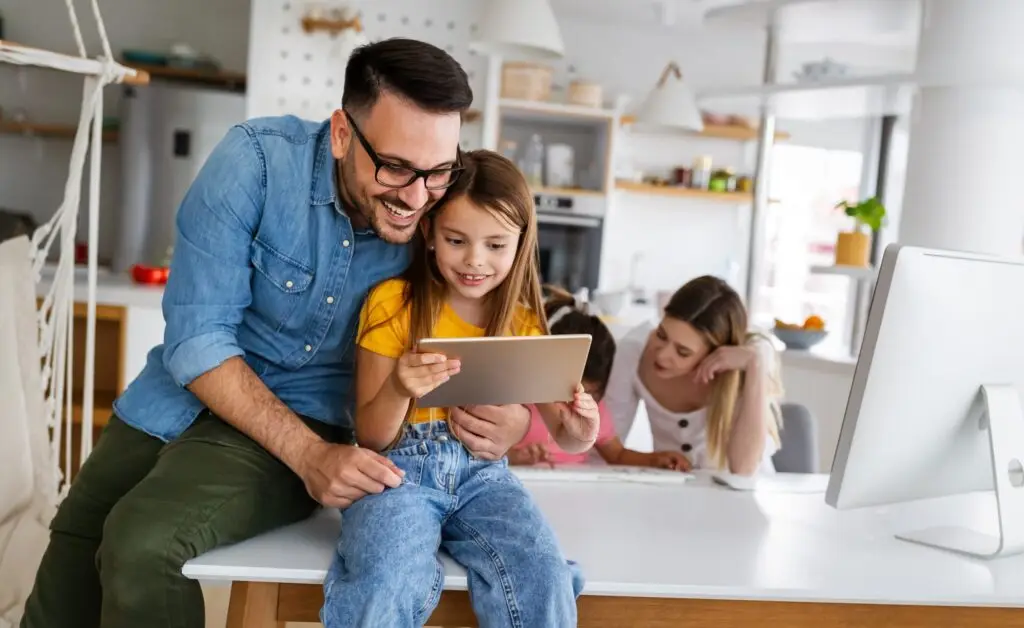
[503, 370]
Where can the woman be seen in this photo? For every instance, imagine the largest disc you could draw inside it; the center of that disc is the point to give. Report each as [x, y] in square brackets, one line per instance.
[709, 387]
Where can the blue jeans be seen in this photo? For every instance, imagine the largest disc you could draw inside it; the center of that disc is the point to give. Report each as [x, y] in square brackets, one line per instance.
[386, 570]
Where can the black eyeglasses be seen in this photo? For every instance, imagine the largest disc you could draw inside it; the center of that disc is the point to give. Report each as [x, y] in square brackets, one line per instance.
[399, 176]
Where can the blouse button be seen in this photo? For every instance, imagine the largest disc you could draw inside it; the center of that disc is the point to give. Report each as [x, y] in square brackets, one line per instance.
[683, 423]
[687, 447]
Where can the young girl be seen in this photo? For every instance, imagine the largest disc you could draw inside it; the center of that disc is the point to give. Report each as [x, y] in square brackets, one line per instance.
[475, 273]
[565, 316]
[711, 389]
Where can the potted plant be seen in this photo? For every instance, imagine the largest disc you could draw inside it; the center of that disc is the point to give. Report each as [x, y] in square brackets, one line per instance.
[853, 248]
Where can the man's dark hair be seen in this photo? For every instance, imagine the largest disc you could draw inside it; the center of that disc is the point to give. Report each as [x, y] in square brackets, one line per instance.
[414, 70]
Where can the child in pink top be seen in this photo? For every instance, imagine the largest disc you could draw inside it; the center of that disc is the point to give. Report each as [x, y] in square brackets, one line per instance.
[564, 317]
[538, 446]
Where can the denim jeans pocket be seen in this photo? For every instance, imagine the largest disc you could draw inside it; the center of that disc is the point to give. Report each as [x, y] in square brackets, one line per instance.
[410, 460]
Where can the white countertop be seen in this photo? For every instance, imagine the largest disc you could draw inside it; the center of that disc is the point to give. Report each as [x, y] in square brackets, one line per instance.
[111, 288]
[698, 540]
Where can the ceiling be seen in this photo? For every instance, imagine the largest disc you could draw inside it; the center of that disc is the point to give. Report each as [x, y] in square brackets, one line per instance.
[868, 22]
[870, 36]
[641, 13]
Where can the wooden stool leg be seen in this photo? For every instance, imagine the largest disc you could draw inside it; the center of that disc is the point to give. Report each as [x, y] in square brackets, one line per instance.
[253, 605]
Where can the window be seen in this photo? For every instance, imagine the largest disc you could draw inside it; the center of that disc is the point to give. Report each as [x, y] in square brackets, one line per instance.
[801, 224]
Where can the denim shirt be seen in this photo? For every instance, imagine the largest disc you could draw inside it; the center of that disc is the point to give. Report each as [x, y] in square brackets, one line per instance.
[266, 266]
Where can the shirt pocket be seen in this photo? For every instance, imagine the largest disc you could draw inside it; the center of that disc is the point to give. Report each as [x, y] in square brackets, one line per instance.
[280, 285]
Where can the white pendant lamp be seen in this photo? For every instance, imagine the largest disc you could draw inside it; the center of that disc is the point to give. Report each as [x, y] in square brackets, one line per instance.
[519, 29]
[671, 103]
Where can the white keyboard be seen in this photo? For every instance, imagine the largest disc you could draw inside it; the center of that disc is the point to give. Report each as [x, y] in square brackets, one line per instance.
[596, 473]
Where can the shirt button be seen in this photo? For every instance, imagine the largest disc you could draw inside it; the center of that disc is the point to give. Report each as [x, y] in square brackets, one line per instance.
[687, 447]
[289, 283]
[683, 423]
[330, 300]
[309, 348]
[345, 243]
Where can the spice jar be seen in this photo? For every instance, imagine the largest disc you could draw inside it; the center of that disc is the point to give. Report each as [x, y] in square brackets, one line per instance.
[700, 177]
[745, 184]
[682, 176]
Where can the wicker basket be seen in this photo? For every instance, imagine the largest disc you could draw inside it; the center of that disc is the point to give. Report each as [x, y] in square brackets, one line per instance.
[585, 94]
[526, 81]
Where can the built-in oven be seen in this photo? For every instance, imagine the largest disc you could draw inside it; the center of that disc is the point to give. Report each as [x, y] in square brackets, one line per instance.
[569, 237]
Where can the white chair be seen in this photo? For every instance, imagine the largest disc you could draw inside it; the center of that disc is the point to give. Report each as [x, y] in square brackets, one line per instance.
[27, 484]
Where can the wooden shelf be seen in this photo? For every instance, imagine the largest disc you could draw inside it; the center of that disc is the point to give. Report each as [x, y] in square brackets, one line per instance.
[39, 129]
[856, 272]
[668, 190]
[717, 131]
[567, 191]
[232, 81]
[540, 111]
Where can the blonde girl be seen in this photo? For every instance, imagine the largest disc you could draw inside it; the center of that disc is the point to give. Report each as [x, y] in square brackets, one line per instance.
[474, 273]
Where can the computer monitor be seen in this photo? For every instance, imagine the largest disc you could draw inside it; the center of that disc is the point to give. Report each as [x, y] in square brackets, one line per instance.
[935, 405]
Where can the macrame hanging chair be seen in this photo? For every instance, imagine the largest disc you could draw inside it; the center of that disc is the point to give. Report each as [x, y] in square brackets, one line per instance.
[36, 341]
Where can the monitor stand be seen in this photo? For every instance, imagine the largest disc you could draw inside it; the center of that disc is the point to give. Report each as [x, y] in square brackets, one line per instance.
[1002, 416]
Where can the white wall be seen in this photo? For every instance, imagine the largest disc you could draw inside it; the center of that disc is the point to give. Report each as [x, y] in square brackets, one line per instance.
[33, 171]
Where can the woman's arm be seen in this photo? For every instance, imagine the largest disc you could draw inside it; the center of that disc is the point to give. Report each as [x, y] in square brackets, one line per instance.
[750, 425]
[380, 405]
[614, 452]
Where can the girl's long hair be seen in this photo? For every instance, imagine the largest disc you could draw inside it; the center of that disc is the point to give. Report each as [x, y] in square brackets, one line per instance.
[490, 182]
[494, 184]
[714, 309]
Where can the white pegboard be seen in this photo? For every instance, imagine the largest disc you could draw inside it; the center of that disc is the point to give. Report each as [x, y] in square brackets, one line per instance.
[294, 72]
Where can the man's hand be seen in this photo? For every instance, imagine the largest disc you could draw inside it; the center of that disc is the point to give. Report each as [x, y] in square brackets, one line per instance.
[337, 475]
[488, 432]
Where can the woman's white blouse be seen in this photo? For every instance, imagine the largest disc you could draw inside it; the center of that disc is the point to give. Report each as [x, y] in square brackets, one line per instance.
[671, 431]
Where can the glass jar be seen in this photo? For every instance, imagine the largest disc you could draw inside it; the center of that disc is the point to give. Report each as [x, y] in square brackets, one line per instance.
[700, 177]
[722, 180]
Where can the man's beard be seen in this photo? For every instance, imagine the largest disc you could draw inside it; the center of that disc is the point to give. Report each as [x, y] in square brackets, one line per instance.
[365, 205]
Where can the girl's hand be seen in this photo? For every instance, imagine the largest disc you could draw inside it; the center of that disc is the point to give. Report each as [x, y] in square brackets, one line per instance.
[670, 460]
[725, 358]
[531, 454]
[416, 374]
[581, 419]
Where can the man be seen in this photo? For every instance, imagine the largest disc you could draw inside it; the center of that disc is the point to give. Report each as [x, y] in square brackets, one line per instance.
[241, 419]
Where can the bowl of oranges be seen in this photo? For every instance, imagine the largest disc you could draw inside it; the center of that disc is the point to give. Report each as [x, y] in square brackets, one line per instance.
[801, 337]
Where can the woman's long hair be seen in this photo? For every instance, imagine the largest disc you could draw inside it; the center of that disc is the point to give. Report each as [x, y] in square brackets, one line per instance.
[713, 308]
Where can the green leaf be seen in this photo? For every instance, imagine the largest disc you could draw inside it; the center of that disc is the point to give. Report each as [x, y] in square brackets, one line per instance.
[869, 212]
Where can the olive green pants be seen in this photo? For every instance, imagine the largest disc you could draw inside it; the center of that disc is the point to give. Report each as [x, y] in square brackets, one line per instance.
[140, 508]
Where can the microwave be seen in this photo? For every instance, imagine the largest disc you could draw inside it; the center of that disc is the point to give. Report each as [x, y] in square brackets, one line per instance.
[569, 233]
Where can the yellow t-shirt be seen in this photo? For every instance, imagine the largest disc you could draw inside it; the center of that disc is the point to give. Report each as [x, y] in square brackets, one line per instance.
[385, 303]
